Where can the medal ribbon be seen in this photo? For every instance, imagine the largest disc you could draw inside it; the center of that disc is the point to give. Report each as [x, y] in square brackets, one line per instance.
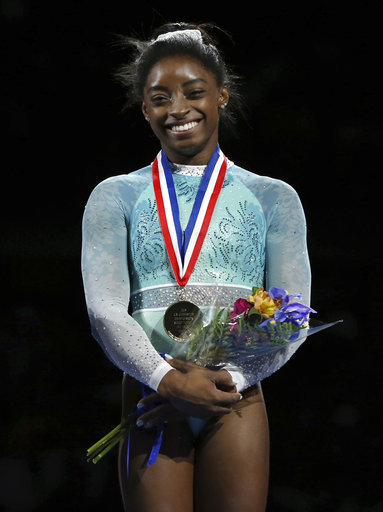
[183, 254]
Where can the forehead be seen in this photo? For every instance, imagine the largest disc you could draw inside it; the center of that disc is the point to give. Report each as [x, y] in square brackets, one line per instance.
[178, 70]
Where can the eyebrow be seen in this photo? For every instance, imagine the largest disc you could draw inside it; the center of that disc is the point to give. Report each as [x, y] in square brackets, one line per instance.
[193, 80]
[185, 84]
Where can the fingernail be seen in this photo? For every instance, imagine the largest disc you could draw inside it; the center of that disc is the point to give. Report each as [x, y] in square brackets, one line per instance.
[168, 356]
[241, 397]
[139, 423]
[140, 406]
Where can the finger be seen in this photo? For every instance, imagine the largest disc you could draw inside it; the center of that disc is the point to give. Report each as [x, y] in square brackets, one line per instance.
[224, 378]
[224, 381]
[232, 388]
[178, 364]
[227, 398]
[150, 401]
[161, 414]
[149, 417]
[171, 417]
[226, 386]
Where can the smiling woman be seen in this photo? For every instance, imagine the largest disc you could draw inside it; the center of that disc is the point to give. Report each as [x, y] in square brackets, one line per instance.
[168, 41]
[181, 101]
[165, 241]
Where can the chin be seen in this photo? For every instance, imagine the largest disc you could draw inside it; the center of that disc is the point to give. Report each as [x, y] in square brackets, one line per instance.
[188, 150]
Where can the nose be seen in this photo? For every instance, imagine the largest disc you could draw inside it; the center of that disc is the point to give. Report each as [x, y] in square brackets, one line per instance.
[179, 106]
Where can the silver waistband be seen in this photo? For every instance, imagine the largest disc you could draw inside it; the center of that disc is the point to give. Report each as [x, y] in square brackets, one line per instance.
[202, 295]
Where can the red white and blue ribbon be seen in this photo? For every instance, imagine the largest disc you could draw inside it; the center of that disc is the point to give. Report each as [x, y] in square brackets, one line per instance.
[184, 249]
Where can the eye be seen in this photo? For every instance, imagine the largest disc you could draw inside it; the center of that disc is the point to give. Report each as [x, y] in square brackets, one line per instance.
[160, 99]
[195, 94]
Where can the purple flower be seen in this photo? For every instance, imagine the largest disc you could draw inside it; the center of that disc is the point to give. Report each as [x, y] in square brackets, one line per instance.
[295, 313]
[267, 321]
[277, 293]
[283, 295]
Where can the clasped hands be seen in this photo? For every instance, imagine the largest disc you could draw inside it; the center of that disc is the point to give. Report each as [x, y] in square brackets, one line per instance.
[189, 390]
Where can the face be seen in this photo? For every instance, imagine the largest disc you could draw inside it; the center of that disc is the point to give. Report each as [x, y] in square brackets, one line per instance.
[181, 101]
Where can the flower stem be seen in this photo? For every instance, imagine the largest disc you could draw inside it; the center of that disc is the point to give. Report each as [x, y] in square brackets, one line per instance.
[107, 449]
[105, 439]
[104, 445]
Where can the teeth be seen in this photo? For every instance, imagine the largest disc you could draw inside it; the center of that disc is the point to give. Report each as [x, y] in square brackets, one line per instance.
[184, 127]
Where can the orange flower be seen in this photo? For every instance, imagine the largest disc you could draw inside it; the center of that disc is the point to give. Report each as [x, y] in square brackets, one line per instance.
[263, 303]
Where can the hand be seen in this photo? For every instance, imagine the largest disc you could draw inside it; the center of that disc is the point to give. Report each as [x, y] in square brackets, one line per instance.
[155, 410]
[197, 391]
[209, 397]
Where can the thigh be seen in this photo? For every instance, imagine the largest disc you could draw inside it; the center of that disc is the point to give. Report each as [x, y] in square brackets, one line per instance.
[232, 459]
[166, 485]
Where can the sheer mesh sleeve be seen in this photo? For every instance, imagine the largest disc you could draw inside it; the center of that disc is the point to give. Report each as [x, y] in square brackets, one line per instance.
[287, 262]
[106, 281]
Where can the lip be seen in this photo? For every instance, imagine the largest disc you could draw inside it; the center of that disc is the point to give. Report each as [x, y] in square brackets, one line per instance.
[183, 128]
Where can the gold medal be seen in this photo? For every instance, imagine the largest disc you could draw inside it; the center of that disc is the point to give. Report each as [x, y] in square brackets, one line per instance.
[180, 318]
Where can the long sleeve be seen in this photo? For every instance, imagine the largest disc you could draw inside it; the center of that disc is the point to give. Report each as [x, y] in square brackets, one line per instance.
[286, 261]
[106, 281]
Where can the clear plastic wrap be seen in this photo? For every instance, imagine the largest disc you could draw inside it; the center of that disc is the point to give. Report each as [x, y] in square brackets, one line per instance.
[258, 334]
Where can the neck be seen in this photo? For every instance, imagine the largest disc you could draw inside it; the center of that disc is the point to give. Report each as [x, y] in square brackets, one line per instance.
[191, 155]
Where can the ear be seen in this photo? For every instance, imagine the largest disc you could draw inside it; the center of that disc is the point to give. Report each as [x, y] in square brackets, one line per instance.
[223, 97]
[144, 111]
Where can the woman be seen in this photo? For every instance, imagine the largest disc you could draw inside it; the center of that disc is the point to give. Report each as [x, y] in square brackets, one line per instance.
[141, 250]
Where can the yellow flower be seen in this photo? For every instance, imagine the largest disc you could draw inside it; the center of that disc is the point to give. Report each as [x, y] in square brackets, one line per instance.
[258, 292]
[263, 303]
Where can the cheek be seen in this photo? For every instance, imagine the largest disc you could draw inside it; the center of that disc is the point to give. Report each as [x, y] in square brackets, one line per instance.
[210, 105]
[213, 116]
[158, 132]
[156, 120]
[213, 108]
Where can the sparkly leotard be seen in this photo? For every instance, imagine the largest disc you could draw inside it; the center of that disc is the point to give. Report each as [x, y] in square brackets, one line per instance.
[257, 236]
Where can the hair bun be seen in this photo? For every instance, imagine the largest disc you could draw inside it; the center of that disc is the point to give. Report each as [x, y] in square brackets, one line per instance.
[173, 35]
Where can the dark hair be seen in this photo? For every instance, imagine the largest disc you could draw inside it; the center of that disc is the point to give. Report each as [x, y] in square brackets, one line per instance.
[147, 53]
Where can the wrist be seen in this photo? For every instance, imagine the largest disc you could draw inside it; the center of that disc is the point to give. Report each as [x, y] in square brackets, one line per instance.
[162, 369]
[169, 382]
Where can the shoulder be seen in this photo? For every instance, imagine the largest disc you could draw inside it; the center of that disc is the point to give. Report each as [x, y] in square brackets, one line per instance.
[132, 179]
[117, 195]
[279, 200]
[261, 184]
[121, 185]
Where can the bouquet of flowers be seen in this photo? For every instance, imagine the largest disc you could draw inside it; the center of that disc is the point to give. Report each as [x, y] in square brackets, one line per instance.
[259, 334]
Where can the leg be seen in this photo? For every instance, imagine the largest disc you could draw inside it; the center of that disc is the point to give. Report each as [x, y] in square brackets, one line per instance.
[166, 485]
[232, 459]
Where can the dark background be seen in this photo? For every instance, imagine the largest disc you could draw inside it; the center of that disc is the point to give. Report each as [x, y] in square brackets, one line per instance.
[312, 98]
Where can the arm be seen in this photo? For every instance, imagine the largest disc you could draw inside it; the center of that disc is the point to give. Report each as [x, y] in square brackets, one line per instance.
[286, 259]
[107, 289]
[106, 281]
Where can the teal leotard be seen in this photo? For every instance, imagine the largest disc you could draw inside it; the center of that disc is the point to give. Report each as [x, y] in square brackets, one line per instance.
[257, 236]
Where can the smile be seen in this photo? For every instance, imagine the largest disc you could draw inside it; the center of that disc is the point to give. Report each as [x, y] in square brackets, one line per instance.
[184, 127]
